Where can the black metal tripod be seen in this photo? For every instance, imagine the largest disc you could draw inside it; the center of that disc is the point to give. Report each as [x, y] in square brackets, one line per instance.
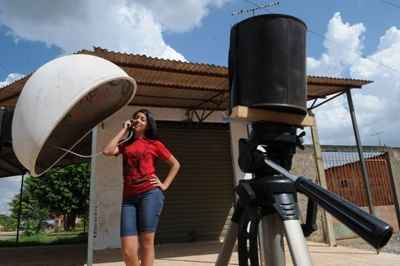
[270, 199]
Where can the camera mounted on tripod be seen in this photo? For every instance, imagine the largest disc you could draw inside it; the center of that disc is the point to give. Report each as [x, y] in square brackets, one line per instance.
[267, 64]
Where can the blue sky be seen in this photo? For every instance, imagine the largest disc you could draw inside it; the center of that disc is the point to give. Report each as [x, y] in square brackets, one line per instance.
[208, 42]
[346, 38]
[214, 32]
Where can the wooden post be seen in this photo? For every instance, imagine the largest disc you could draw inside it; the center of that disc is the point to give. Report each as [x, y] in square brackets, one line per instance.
[329, 233]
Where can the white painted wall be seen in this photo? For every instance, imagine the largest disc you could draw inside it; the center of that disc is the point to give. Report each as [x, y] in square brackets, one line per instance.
[108, 173]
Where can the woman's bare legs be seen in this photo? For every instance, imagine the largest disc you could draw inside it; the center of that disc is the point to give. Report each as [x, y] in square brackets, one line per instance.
[129, 245]
[146, 240]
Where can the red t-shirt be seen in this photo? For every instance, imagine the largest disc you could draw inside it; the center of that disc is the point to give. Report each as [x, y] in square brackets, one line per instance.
[138, 164]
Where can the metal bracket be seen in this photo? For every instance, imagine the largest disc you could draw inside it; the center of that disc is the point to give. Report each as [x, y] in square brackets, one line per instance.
[200, 113]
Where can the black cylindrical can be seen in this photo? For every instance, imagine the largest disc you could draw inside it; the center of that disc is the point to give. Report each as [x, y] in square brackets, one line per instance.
[267, 63]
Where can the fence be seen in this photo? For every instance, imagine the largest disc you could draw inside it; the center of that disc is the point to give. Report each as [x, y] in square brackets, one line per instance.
[344, 176]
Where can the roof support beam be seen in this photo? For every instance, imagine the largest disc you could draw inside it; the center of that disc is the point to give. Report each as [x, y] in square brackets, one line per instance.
[218, 99]
[321, 103]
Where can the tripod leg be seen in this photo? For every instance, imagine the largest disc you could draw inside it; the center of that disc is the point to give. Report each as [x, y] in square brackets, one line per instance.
[272, 241]
[227, 247]
[297, 243]
[247, 237]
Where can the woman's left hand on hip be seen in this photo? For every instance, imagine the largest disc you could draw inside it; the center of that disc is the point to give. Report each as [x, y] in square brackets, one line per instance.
[157, 182]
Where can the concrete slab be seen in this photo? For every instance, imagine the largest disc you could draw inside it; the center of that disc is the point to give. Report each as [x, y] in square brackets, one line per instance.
[185, 254]
[205, 253]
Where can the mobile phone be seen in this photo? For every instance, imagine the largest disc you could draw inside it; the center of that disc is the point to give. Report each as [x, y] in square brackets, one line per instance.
[131, 126]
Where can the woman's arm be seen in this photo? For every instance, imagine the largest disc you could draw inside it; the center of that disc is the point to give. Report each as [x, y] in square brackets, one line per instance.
[111, 148]
[173, 171]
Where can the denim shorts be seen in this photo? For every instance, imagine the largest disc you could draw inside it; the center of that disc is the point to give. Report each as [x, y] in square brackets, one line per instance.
[141, 213]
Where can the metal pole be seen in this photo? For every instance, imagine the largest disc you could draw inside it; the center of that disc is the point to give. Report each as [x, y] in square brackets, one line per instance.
[20, 207]
[360, 152]
[92, 201]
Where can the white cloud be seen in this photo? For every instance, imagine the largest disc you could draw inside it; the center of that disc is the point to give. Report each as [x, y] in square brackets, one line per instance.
[377, 103]
[10, 79]
[178, 15]
[343, 43]
[120, 25]
[9, 187]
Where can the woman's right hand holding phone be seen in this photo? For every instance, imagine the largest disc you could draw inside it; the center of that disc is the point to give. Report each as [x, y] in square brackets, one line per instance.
[127, 124]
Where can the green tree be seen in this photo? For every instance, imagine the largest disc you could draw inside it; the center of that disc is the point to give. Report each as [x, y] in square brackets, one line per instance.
[65, 191]
[32, 214]
[61, 191]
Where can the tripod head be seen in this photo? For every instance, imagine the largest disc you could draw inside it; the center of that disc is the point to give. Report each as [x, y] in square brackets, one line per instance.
[279, 142]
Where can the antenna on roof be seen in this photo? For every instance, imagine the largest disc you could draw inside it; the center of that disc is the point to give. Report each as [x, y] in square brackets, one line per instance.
[256, 8]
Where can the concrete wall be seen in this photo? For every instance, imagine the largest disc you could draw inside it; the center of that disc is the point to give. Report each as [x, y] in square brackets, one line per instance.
[394, 157]
[394, 154]
[108, 172]
[386, 213]
[304, 164]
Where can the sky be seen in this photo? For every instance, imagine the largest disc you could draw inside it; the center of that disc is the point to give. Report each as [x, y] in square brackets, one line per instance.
[346, 38]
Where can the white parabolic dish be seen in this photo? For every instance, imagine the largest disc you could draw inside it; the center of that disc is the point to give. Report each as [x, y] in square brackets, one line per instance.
[61, 102]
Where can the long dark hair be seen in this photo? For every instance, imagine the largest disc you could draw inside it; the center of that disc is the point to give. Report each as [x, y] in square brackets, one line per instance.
[151, 129]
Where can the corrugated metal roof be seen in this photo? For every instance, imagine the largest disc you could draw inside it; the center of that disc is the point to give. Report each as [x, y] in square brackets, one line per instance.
[168, 83]
[172, 83]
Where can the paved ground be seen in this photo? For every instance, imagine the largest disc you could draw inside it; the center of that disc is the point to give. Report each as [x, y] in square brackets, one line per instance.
[7, 235]
[393, 246]
[204, 254]
[188, 254]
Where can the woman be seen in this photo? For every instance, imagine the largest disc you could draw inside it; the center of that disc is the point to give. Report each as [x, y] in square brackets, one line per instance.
[143, 196]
